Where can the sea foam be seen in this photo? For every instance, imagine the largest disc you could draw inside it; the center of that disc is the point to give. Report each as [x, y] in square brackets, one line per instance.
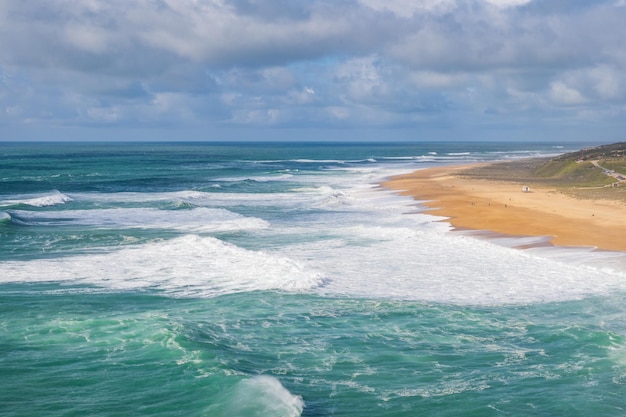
[37, 200]
[195, 198]
[258, 396]
[378, 245]
[188, 266]
[200, 219]
[338, 235]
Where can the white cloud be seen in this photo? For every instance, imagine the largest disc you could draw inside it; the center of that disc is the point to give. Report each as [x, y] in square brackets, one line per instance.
[338, 112]
[508, 3]
[598, 83]
[608, 82]
[564, 94]
[408, 8]
[213, 32]
[361, 80]
[303, 96]
[437, 80]
[323, 63]
[87, 38]
[106, 114]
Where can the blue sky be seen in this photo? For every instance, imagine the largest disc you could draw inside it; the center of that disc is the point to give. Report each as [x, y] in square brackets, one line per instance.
[313, 70]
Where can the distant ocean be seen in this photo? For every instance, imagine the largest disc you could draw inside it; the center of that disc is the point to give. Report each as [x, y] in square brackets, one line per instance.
[194, 279]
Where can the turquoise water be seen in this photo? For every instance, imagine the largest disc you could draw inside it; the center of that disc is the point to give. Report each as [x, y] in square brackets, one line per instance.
[279, 280]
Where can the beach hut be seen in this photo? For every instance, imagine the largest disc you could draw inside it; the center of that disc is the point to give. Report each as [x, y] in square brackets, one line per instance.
[526, 189]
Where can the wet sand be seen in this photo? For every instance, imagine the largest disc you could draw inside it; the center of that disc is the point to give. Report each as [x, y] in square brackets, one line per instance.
[503, 207]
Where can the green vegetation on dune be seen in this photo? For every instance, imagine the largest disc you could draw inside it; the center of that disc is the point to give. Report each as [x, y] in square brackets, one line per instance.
[582, 174]
[616, 165]
[573, 173]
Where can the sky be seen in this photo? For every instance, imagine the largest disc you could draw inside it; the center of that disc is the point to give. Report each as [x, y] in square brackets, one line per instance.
[329, 70]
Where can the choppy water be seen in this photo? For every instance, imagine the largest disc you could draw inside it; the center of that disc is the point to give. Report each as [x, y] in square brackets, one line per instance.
[280, 280]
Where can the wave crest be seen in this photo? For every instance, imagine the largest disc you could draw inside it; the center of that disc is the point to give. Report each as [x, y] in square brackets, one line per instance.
[5, 217]
[38, 200]
[188, 266]
[200, 219]
[258, 396]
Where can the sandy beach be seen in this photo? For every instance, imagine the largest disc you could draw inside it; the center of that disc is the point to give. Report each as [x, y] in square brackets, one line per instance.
[503, 207]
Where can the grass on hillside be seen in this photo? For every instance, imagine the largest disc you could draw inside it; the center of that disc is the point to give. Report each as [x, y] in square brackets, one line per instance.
[572, 174]
[617, 165]
[580, 179]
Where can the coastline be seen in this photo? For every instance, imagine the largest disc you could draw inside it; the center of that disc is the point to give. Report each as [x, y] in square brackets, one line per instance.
[502, 207]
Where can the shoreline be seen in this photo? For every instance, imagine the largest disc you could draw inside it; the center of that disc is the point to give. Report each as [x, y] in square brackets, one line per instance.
[502, 207]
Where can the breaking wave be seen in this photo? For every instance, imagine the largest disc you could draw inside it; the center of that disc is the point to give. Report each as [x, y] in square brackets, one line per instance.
[200, 219]
[188, 266]
[37, 200]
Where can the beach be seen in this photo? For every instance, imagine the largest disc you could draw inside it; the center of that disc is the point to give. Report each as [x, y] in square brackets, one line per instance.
[507, 207]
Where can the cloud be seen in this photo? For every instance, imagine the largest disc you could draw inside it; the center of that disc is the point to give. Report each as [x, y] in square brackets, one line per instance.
[348, 63]
[508, 3]
[408, 9]
[563, 94]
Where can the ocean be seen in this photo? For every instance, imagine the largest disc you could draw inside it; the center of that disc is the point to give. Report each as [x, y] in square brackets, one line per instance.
[269, 279]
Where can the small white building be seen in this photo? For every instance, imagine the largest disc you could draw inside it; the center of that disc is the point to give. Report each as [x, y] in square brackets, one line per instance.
[526, 189]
